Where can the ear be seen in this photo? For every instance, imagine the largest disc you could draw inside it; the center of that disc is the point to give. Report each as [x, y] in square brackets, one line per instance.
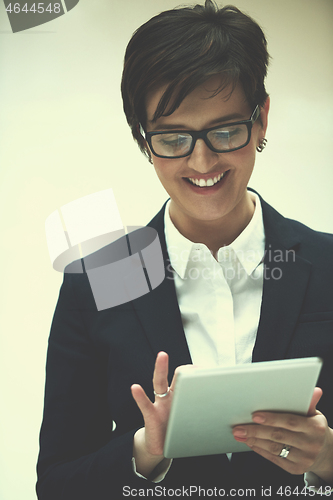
[264, 115]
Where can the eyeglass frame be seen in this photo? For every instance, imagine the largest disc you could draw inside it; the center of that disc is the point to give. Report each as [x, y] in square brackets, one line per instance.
[202, 134]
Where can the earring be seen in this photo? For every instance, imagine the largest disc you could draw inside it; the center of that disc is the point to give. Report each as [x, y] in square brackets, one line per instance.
[262, 145]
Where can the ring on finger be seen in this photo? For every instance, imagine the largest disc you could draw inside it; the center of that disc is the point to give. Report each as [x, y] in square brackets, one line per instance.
[285, 451]
[162, 395]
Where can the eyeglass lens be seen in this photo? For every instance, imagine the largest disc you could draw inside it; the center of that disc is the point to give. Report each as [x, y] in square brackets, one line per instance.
[222, 139]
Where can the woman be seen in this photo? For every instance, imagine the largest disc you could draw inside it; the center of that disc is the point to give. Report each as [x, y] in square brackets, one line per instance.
[194, 96]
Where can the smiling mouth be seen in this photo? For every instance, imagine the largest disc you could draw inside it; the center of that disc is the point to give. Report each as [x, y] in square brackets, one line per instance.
[206, 182]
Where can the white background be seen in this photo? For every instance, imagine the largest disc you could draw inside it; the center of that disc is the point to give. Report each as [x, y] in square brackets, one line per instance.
[63, 135]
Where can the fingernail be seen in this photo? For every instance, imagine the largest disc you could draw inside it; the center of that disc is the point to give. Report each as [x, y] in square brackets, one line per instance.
[239, 432]
[258, 419]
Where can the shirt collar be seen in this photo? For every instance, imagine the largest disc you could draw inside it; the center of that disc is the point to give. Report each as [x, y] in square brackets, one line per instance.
[249, 246]
[179, 247]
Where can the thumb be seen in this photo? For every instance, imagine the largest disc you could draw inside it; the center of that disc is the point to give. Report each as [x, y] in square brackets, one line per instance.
[317, 394]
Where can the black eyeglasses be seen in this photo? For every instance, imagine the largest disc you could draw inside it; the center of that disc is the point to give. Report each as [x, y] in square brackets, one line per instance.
[220, 139]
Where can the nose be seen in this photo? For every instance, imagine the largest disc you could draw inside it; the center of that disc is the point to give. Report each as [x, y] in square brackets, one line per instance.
[202, 159]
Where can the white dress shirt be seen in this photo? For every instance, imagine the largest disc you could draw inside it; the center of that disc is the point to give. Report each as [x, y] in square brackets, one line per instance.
[219, 300]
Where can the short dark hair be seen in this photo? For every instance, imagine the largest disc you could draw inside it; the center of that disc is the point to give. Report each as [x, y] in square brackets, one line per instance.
[182, 48]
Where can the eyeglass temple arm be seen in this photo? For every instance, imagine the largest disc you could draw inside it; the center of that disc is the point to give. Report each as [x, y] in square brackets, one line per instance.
[255, 114]
[142, 132]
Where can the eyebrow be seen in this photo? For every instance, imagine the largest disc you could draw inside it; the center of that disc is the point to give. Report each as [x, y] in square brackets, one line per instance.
[176, 126]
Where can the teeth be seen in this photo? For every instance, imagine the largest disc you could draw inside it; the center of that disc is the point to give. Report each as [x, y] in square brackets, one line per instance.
[206, 183]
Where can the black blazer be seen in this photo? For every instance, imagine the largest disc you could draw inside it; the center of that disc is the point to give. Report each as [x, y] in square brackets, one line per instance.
[94, 357]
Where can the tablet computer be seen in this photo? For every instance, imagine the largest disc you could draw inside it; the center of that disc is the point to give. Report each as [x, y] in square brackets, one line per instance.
[208, 402]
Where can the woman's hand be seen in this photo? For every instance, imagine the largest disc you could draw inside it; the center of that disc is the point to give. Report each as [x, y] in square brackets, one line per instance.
[309, 438]
[149, 440]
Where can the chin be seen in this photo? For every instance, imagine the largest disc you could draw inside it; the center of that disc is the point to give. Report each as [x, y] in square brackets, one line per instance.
[208, 215]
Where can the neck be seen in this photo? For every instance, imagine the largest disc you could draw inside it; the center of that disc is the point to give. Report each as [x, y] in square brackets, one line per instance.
[219, 232]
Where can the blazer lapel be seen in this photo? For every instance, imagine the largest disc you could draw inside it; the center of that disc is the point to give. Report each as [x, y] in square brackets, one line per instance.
[285, 283]
[159, 314]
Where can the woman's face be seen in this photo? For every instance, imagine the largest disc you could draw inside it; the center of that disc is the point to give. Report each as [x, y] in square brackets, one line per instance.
[198, 111]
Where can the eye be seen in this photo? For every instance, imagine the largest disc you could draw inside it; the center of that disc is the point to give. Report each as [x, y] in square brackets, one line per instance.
[172, 139]
[171, 142]
[226, 133]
